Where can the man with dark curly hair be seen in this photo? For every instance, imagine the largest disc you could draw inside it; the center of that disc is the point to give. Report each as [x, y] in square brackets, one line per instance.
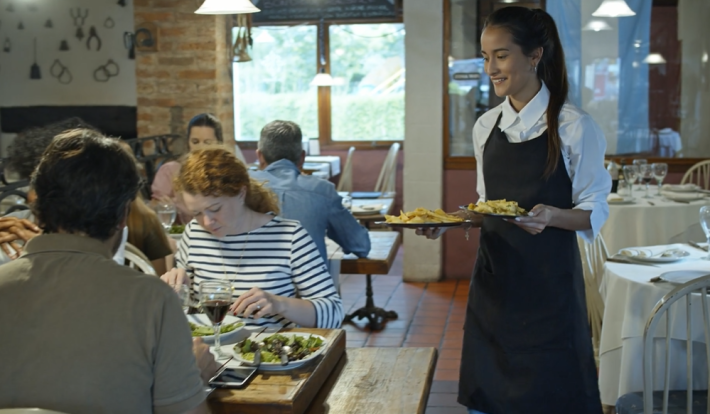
[25, 154]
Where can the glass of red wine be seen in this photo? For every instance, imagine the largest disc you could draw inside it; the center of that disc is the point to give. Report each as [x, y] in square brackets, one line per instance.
[215, 300]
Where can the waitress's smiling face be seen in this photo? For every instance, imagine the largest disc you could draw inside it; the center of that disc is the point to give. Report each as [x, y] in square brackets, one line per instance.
[216, 214]
[509, 69]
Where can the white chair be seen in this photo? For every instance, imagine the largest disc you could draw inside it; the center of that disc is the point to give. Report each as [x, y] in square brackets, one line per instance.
[387, 179]
[346, 176]
[680, 401]
[594, 256]
[136, 262]
[698, 174]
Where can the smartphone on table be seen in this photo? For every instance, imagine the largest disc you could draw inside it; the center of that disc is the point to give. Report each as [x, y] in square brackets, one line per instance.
[232, 377]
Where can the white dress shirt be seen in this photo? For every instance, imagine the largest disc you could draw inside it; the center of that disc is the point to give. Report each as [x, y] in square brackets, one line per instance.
[583, 146]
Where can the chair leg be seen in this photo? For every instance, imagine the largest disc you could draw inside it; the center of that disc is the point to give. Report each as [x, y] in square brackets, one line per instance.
[376, 316]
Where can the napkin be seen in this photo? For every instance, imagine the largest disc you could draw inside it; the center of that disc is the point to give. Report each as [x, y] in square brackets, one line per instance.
[682, 196]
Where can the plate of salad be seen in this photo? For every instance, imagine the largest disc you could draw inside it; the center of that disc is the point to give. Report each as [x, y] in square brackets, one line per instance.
[303, 346]
[201, 326]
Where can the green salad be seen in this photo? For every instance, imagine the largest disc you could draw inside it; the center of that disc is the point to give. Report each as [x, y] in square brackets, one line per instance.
[301, 347]
[177, 229]
[204, 330]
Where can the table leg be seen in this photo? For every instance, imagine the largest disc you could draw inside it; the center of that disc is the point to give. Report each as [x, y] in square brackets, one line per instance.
[376, 316]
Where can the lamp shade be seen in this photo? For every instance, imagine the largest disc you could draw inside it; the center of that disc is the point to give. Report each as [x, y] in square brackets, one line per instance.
[322, 79]
[596, 25]
[227, 7]
[613, 8]
[654, 59]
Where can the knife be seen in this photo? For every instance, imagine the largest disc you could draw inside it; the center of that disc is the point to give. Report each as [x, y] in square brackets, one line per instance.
[631, 262]
[697, 246]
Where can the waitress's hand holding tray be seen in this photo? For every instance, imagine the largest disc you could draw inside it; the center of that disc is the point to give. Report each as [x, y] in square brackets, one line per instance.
[533, 221]
[427, 222]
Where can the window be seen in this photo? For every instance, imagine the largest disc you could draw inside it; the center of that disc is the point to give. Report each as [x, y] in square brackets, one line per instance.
[643, 78]
[364, 105]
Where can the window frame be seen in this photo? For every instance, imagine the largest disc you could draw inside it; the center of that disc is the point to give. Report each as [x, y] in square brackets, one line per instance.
[451, 162]
[324, 94]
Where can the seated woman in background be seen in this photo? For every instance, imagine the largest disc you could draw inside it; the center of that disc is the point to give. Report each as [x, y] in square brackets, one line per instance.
[279, 278]
[147, 234]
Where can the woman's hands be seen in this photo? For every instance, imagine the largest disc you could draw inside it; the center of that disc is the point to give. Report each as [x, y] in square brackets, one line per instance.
[256, 304]
[13, 229]
[176, 277]
[433, 233]
[537, 220]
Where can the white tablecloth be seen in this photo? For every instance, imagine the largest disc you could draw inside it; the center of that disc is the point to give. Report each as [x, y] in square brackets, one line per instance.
[629, 298]
[643, 224]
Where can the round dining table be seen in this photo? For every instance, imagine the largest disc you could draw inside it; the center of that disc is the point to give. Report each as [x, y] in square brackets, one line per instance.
[648, 222]
[629, 299]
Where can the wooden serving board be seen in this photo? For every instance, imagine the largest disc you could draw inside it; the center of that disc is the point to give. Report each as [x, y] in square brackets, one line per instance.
[284, 392]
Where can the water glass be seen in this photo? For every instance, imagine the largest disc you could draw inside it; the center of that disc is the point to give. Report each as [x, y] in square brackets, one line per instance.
[640, 161]
[167, 213]
[631, 173]
[705, 224]
[660, 170]
[183, 292]
[646, 175]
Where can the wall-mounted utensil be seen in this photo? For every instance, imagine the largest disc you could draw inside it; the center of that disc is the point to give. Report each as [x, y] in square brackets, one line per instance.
[63, 46]
[48, 24]
[79, 19]
[6, 46]
[10, 7]
[35, 72]
[122, 3]
[60, 72]
[20, 26]
[129, 41]
[105, 72]
[109, 23]
[93, 36]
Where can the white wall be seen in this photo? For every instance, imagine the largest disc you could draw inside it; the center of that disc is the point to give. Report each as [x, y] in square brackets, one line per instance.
[16, 87]
[423, 131]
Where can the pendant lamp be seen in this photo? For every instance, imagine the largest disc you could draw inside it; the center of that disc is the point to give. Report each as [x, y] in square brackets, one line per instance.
[322, 78]
[613, 8]
[654, 59]
[596, 25]
[227, 7]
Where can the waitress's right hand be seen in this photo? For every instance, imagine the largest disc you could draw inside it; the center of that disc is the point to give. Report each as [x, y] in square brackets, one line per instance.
[433, 233]
[176, 277]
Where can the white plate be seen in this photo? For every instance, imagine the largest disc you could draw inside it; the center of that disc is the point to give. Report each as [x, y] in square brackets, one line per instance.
[679, 277]
[646, 255]
[676, 188]
[202, 319]
[367, 209]
[276, 366]
[683, 196]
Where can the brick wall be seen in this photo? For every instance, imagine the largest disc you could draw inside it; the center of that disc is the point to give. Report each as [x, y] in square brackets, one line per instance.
[190, 72]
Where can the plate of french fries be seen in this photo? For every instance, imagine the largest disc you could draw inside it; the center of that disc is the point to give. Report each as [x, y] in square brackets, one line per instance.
[497, 208]
[422, 217]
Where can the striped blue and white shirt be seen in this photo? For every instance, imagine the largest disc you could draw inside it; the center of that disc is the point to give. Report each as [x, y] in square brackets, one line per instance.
[279, 258]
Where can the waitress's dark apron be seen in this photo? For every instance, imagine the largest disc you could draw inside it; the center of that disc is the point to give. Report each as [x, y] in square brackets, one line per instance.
[527, 347]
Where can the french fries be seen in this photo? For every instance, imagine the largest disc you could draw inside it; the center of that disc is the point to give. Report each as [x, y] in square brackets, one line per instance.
[422, 215]
[508, 208]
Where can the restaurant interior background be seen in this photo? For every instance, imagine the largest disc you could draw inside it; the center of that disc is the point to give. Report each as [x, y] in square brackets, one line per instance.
[644, 79]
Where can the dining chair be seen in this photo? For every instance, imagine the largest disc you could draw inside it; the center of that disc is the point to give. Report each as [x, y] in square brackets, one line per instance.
[686, 401]
[698, 174]
[346, 177]
[134, 261]
[387, 178]
[594, 256]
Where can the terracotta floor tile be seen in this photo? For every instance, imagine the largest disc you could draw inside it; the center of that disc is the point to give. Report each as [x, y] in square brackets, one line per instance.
[448, 364]
[432, 339]
[427, 329]
[452, 344]
[355, 344]
[454, 334]
[427, 321]
[406, 344]
[447, 410]
[444, 387]
[446, 375]
[449, 354]
[443, 400]
[384, 341]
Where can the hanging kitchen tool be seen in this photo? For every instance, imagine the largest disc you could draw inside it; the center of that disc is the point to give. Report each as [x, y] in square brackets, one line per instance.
[109, 23]
[6, 47]
[48, 24]
[20, 26]
[129, 41]
[35, 72]
[122, 3]
[240, 43]
[10, 7]
[247, 18]
[79, 19]
[93, 35]
[105, 72]
[64, 46]
[60, 72]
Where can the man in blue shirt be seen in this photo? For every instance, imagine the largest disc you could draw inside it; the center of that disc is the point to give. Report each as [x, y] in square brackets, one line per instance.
[311, 200]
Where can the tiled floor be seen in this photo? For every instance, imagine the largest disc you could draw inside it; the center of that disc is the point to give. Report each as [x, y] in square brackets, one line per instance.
[430, 315]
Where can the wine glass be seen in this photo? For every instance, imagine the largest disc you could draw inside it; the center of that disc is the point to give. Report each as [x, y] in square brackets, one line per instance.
[640, 161]
[646, 175]
[631, 173]
[660, 170]
[183, 292]
[705, 224]
[167, 213]
[215, 300]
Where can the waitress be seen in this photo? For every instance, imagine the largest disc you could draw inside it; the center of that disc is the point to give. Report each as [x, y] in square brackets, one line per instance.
[527, 345]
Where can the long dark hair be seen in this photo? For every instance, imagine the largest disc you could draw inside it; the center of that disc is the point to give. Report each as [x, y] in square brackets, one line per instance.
[531, 29]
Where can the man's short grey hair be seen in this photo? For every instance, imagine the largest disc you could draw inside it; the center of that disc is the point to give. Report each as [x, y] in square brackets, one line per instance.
[281, 140]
